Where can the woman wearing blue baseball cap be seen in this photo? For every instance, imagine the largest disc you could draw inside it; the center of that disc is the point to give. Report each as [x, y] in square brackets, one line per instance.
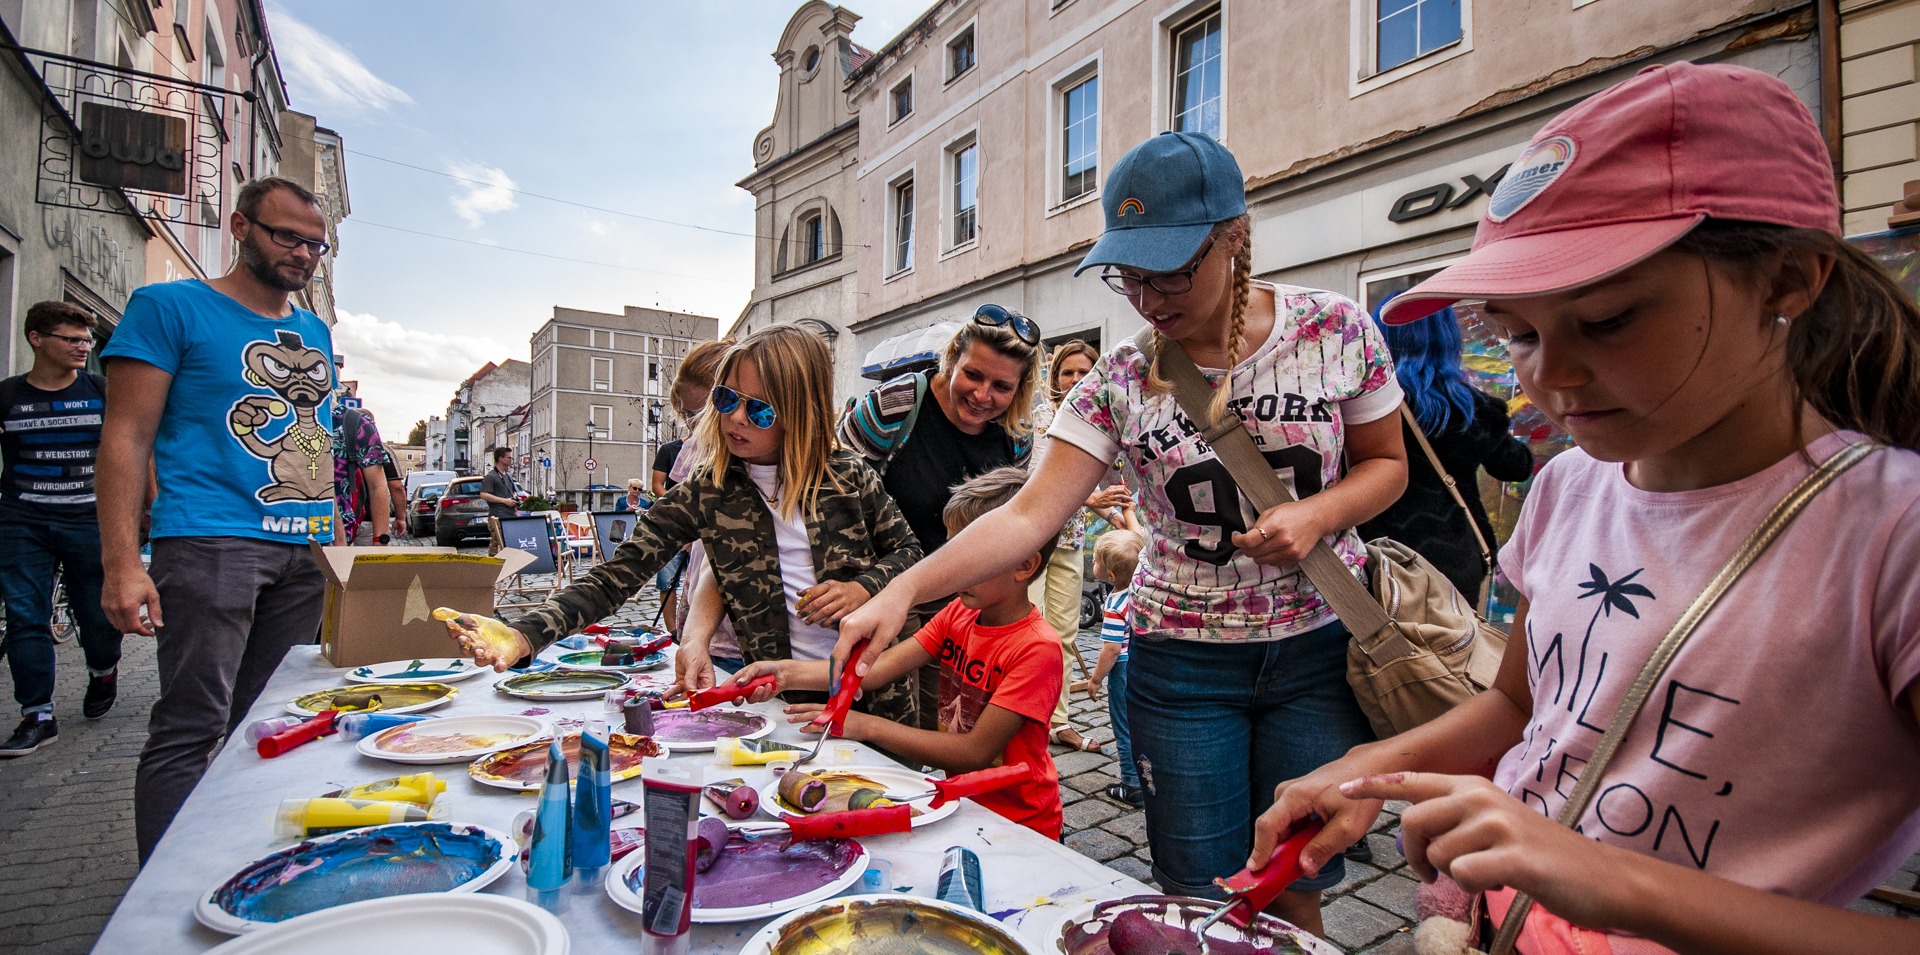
[1238, 677]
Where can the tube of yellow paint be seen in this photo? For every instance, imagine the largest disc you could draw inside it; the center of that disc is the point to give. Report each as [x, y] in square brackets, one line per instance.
[419, 789]
[306, 818]
[757, 752]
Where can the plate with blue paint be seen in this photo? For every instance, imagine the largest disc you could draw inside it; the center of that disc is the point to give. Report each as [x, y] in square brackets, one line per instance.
[371, 863]
[436, 670]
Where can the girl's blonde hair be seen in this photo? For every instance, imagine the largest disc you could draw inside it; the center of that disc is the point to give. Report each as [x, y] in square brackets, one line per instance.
[797, 372]
[1061, 353]
[697, 368]
[1237, 328]
[1017, 420]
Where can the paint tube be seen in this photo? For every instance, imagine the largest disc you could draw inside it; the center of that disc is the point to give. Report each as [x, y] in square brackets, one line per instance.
[261, 729]
[758, 752]
[672, 807]
[551, 864]
[353, 726]
[300, 735]
[419, 789]
[734, 797]
[959, 881]
[592, 807]
[307, 818]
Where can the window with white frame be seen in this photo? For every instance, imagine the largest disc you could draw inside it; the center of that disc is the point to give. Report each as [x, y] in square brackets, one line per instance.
[1405, 30]
[1197, 74]
[963, 163]
[960, 54]
[598, 338]
[603, 374]
[902, 99]
[602, 418]
[1079, 137]
[900, 200]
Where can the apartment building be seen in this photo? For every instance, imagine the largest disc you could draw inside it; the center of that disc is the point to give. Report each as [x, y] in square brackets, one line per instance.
[600, 388]
[1371, 133]
[482, 402]
[315, 157]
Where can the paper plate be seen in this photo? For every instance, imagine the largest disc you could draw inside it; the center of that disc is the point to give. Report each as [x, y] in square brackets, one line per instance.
[560, 685]
[896, 780]
[452, 739]
[1092, 918]
[835, 864]
[352, 866]
[589, 661]
[523, 767]
[876, 924]
[358, 698]
[698, 732]
[468, 923]
[437, 669]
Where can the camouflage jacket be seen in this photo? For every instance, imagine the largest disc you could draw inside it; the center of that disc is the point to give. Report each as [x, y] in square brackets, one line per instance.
[857, 534]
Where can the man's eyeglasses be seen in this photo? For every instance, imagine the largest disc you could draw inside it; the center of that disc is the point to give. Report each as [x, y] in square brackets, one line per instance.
[1166, 283]
[289, 239]
[726, 399]
[993, 316]
[77, 341]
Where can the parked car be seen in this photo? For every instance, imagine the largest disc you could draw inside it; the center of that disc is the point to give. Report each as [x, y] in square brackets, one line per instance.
[421, 508]
[460, 513]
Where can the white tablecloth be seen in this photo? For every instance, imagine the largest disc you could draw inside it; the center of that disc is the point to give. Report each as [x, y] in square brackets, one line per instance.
[1030, 881]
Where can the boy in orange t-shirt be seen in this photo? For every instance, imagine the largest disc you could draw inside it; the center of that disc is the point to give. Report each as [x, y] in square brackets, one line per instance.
[1000, 675]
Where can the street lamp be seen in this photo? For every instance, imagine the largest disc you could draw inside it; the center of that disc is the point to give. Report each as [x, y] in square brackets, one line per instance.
[589, 481]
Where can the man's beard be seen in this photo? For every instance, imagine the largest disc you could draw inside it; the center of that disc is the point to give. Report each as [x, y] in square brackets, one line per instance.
[263, 269]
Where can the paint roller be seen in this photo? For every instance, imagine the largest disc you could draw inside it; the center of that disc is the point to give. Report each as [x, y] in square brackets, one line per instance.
[802, 791]
[711, 837]
[734, 797]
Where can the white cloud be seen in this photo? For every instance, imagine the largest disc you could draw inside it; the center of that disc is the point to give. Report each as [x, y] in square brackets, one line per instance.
[493, 192]
[597, 227]
[406, 373]
[321, 68]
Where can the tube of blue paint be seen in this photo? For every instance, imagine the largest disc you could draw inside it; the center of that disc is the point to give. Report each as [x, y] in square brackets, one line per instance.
[353, 726]
[672, 807]
[592, 808]
[551, 863]
[959, 881]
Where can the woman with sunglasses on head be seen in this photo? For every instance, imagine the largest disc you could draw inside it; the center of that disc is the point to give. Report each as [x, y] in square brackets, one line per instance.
[1238, 667]
[926, 434]
[797, 533]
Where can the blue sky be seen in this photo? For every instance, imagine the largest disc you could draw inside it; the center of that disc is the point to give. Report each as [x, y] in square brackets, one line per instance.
[642, 107]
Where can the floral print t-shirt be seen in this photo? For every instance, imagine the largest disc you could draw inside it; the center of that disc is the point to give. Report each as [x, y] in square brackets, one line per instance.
[1324, 367]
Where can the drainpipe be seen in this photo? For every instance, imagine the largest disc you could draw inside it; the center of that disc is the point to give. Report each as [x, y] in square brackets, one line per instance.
[1827, 32]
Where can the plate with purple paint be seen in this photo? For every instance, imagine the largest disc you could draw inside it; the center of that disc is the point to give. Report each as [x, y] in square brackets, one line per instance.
[371, 863]
[754, 879]
[438, 670]
[1159, 923]
[699, 732]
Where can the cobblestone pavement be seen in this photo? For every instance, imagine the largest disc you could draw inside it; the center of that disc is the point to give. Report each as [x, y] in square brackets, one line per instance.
[67, 850]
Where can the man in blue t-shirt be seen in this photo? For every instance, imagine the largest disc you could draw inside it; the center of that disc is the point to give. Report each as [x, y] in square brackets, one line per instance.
[228, 387]
[49, 431]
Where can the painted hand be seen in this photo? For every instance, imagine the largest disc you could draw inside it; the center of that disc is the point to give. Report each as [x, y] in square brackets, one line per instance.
[488, 641]
[1282, 536]
[824, 604]
[1481, 837]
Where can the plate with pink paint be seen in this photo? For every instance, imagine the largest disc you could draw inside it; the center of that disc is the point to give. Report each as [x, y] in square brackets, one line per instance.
[754, 879]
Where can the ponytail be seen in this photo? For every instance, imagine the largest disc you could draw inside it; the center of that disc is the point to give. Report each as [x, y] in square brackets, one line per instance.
[1236, 328]
[1855, 353]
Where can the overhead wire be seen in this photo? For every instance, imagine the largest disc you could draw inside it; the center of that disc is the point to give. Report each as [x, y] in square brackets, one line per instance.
[356, 220]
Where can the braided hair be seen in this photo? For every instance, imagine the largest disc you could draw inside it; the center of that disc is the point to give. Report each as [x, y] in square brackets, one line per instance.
[1236, 329]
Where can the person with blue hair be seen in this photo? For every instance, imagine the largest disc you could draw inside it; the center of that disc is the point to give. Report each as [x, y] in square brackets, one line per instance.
[1468, 430]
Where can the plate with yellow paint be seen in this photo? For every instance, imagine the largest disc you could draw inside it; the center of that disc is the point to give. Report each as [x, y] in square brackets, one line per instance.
[374, 697]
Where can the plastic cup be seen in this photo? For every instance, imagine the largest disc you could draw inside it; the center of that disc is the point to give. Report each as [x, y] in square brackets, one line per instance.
[878, 878]
[779, 767]
[843, 753]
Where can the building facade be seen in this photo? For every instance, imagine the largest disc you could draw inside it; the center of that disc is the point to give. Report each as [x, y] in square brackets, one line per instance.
[479, 404]
[600, 390]
[985, 130]
[315, 157]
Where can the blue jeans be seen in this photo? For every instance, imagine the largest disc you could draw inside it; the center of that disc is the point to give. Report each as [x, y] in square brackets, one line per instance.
[667, 578]
[1117, 718]
[1216, 726]
[28, 555]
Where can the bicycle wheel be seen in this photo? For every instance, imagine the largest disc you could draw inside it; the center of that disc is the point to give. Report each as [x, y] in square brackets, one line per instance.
[61, 623]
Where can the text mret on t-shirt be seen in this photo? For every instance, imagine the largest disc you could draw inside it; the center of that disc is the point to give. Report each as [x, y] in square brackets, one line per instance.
[245, 445]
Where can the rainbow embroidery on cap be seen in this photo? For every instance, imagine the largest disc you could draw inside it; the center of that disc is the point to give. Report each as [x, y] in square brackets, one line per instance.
[1133, 204]
[1532, 173]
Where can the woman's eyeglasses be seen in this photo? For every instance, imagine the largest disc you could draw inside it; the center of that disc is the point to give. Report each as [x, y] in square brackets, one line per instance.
[1166, 283]
[726, 399]
[993, 316]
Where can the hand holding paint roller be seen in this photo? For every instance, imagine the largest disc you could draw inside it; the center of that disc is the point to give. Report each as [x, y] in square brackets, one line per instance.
[488, 641]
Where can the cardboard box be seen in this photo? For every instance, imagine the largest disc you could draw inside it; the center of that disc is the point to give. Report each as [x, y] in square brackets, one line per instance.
[380, 600]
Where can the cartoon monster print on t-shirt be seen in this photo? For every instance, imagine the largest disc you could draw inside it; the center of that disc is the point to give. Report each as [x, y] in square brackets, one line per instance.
[300, 458]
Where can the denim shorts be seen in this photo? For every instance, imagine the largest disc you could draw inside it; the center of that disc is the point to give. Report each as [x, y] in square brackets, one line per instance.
[669, 574]
[1216, 726]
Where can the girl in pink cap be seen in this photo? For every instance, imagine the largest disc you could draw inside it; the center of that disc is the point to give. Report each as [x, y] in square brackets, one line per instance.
[1666, 265]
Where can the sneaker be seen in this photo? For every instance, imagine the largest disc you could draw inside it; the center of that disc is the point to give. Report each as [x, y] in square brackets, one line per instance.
[1131, 795]
[101, 692]
[29, 736]
[1359, 852]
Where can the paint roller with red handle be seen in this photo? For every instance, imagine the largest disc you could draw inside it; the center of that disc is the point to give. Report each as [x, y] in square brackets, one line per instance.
[880, 821]
[320, 725]
[644, 650]
[1250, 891]
[967, 785]
[834, 717]
[728, 692]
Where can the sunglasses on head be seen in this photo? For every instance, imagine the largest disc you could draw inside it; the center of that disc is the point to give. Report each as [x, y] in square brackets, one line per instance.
[993, 316]
[726, 399]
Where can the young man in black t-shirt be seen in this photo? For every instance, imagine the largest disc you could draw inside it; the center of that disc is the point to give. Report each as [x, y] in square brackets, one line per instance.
[497, 490]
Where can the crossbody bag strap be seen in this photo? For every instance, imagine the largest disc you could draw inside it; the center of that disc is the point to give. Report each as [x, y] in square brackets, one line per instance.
[1453, 487]
[1750, 550]
[1235, 448]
